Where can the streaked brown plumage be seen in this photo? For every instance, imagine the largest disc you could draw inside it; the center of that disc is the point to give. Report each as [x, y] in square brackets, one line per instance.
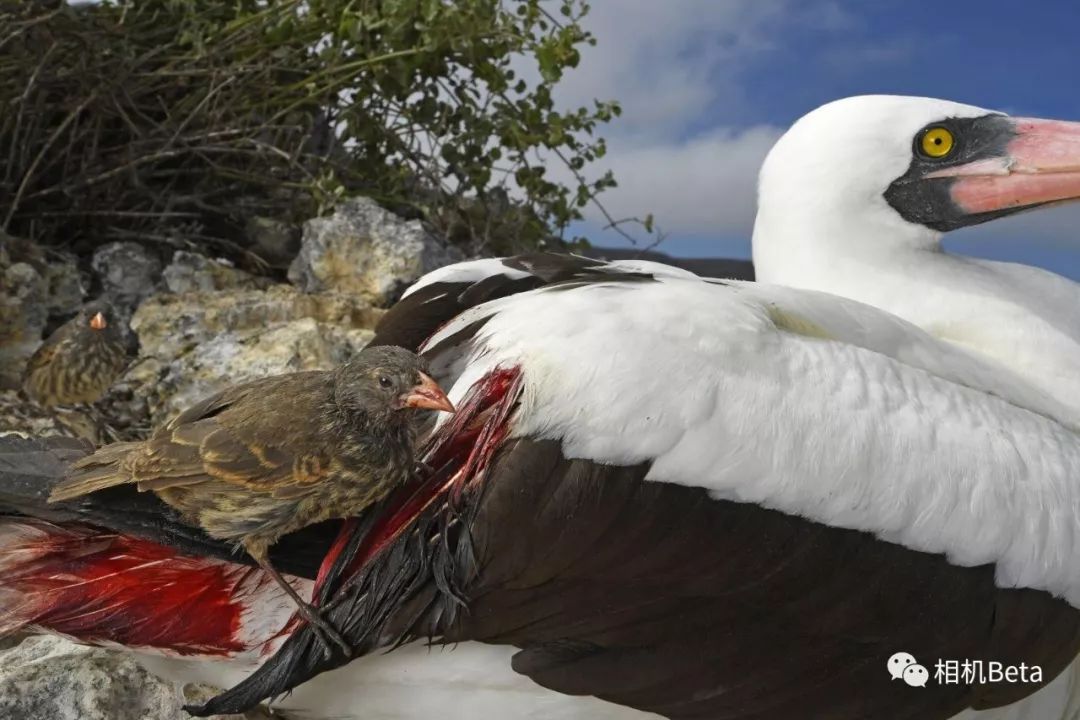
[266, 458]
[79, 361]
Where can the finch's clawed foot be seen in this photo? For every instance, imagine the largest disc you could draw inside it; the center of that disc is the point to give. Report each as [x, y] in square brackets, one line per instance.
[327, 634]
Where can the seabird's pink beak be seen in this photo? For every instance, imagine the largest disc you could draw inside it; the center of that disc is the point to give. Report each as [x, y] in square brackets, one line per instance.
[428, 396]
[98, 322]
[1040, 165]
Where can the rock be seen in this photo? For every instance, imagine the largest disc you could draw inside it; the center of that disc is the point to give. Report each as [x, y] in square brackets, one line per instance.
[170, 325]
[48, 678]
[129, 273]
[275, 241]
[22, 319]
[365, 250]
[194, 344]
[200, 694]
[254, 353]
[63, 287]
[20, 250]
[9, 641]
[26, 417]
[127, 403]
[190, 272]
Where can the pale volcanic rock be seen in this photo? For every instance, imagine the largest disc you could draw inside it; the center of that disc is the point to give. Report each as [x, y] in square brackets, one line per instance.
[363, 249]
[49, 678]
[128, 272]
[190, 272]
[23, 315]
[194, 344]
[274, 241]
[26, 417]
[65, 290]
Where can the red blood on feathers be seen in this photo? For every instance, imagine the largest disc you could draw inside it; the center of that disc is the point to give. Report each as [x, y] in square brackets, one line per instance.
[108, 588]
[459, 452]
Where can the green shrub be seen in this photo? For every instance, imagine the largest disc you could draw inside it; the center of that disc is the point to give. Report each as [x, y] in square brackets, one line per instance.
[177, 121]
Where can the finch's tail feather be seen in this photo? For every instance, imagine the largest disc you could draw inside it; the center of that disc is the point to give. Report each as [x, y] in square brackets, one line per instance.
[95, 472]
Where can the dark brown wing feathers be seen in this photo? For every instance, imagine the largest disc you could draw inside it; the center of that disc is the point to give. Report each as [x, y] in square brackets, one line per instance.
[415, 318]
[658, 597]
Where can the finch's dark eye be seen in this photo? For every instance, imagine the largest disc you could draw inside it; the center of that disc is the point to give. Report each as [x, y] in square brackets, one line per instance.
[385, 381]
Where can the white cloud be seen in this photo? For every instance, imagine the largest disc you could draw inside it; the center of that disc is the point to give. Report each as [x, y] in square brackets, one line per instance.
[667, 62]
[672, 67]
[703, 185]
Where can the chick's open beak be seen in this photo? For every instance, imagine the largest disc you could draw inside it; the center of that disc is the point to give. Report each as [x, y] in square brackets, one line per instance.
[98, 322]
[427, 396]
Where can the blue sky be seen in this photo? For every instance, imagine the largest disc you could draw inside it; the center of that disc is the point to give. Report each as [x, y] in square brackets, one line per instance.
[708, 85]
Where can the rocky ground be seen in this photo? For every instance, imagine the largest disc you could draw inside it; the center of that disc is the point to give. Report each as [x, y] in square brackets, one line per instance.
[47, 678]
[194, 324]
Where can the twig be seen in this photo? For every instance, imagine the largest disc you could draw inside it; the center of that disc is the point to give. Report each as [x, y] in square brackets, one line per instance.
[101, 177]
[41, 154]
[612, 222]
[20, 28]
[115, 213]
[198, 108]
[22, 107]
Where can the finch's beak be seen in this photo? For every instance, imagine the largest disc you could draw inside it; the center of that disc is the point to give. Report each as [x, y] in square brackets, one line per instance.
[427, 396]
[98, 322]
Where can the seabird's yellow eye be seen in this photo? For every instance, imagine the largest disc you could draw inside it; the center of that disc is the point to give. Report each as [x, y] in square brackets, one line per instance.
[937, 142]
